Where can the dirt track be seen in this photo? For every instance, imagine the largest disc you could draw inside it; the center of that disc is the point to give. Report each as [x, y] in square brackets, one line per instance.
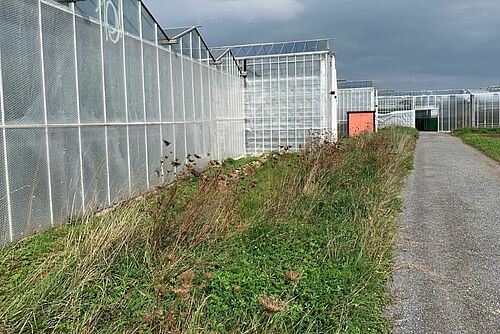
[447, 276]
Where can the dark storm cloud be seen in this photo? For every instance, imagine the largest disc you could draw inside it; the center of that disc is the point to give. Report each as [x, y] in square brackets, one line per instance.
[403, 44]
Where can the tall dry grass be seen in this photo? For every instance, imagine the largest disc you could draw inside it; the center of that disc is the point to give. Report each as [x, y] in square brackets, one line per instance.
[159, 231]
[159, 235]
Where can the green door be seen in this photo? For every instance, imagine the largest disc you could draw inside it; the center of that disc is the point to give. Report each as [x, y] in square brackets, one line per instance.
[426, 121]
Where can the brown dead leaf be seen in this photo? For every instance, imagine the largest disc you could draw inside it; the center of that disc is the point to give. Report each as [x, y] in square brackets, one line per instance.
[149, 317]
[209, 276]
[171, 257]
[271, 305]
[292, 276]
[186, 278]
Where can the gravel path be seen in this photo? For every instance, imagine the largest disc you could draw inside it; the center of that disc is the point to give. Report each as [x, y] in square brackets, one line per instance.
[447, 271]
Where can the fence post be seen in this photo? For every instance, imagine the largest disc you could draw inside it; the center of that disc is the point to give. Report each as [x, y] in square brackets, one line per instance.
[75, 58]
[192, 80]
[162, 170]
[45, 113]
[5, 160]
[174, 168]
[105, 110]
[126, 106]
[287, 104]
[211, 120]
[375, 97]
[202, 97]
[144, 95]
[218, 106]
[183, 97]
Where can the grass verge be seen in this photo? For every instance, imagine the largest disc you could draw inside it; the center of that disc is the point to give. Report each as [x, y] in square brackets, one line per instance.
[485, 140]
[287, 243]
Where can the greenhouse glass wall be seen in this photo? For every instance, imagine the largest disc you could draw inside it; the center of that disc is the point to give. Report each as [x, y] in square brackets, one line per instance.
[99, 104]
[354, 96]
[289, 93]
[451, 110]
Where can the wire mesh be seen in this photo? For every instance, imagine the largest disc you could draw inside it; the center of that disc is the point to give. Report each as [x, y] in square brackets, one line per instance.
[60, 84]
[65, 173]
[94, 160]
[151, 84]
[118, 163]
[4, 215]
[90, 71]
[114, 81]
[138, 158]
[28, 181]
[155, 158]
[21, 64]
[133, 68]
[107, 120]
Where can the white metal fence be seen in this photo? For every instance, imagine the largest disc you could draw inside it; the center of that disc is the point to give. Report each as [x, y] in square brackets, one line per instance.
[92, 115]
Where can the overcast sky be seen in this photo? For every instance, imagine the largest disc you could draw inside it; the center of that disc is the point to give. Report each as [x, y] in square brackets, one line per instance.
[400, 44]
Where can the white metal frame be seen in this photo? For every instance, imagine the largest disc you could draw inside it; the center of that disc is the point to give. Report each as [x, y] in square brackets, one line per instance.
[5, 158]
[45, 115]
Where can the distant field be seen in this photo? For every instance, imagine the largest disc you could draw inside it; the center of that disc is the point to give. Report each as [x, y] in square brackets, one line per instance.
[485, 140]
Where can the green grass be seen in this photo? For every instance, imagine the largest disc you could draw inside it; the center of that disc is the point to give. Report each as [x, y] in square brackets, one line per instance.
[485, 140]
[288, 243]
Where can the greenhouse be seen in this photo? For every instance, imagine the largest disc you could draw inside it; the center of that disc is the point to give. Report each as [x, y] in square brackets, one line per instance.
[440, 110]
[290, 93]
[354, 96]
[429, 110]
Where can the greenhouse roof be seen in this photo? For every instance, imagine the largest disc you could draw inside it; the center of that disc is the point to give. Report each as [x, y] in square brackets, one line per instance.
[278, 48]
[491, 89]
[219, 53]
[344, 84]
[173, 33]
[389, 92]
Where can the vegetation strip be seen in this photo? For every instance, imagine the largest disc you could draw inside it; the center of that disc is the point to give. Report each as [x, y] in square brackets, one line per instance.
[287, 243]
[485, 140]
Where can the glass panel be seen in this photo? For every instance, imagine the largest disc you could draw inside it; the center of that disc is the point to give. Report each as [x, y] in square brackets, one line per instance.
[266, 50]
[322, 45]
[148, 26]
[311, 46]
[112, 14]
[131, 16]
[288, 48]
[87, 8]
[186, 45]
[195, 38]
[299, 46]
[161, 34]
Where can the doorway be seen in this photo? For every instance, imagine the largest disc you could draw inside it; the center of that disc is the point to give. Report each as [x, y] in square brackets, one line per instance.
[427, 120]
